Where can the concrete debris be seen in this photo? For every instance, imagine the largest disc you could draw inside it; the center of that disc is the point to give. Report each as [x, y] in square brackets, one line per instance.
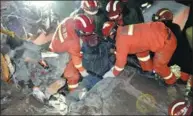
[111, 96]
[118, 96]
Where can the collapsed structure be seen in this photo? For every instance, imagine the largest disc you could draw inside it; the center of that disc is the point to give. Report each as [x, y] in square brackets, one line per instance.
[30, 66]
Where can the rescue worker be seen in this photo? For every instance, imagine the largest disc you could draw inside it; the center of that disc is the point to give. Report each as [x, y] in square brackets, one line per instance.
[182, 55]
[91, 9]
[67, 39]
[96, 57]
[122, 14]
[140, 39]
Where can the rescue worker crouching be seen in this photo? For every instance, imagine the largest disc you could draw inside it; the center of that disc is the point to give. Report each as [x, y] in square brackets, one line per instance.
[140, 39]
[67, 38]
[121, 14]
[183, 49]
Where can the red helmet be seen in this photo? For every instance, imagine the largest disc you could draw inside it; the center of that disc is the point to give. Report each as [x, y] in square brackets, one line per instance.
[90, 6]
[84, 24]
[163, 14]
[114, 9]
[108, 28]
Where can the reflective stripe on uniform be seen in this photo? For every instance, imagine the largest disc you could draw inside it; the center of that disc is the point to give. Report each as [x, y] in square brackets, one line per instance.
[79, 65]
[60, 34]
[118, 69]
[130, 31]
[143, 59]
[168, 77]
[73, 86]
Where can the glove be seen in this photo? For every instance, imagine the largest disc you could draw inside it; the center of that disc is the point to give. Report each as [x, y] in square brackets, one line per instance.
[84, 73]
[109, 74]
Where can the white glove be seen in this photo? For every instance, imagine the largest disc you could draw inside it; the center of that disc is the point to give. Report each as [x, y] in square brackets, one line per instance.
[84, 73]
[109, 74]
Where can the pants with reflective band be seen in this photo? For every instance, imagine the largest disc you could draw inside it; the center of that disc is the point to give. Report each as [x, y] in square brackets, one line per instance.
[71, 74]
[146, 65]
[162, 58]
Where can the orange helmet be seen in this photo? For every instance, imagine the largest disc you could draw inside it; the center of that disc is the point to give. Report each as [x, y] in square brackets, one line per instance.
[108, 28]
[163, 14]
[90, 6]
[84, 24]
[113, 9]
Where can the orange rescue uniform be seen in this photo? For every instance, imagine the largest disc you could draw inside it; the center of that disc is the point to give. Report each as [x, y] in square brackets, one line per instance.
[141, 38]
[65, 39]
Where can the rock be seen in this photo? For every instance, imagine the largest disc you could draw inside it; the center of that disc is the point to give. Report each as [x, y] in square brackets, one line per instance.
[119, 96]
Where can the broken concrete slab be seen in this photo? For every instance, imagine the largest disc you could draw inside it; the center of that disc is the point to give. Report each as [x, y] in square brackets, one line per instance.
[128, 94]
[120, 95]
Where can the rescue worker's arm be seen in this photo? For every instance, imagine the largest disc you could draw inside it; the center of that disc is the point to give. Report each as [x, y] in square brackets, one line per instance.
[121, 60]
[77, 60]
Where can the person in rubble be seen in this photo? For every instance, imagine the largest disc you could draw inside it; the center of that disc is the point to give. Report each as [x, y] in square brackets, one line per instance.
[91, 9]
[183, 49]
[96, 57]
[69, 37]
[140, 39]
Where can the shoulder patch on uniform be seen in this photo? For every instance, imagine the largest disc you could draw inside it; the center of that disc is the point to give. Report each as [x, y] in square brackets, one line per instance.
[127, 30]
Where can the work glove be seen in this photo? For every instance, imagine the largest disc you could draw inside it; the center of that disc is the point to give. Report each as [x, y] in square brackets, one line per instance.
[84, 73]
[109, 74]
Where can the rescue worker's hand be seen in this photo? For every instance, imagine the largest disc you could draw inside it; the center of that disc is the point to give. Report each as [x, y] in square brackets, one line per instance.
[109, 74]
[84, 73]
